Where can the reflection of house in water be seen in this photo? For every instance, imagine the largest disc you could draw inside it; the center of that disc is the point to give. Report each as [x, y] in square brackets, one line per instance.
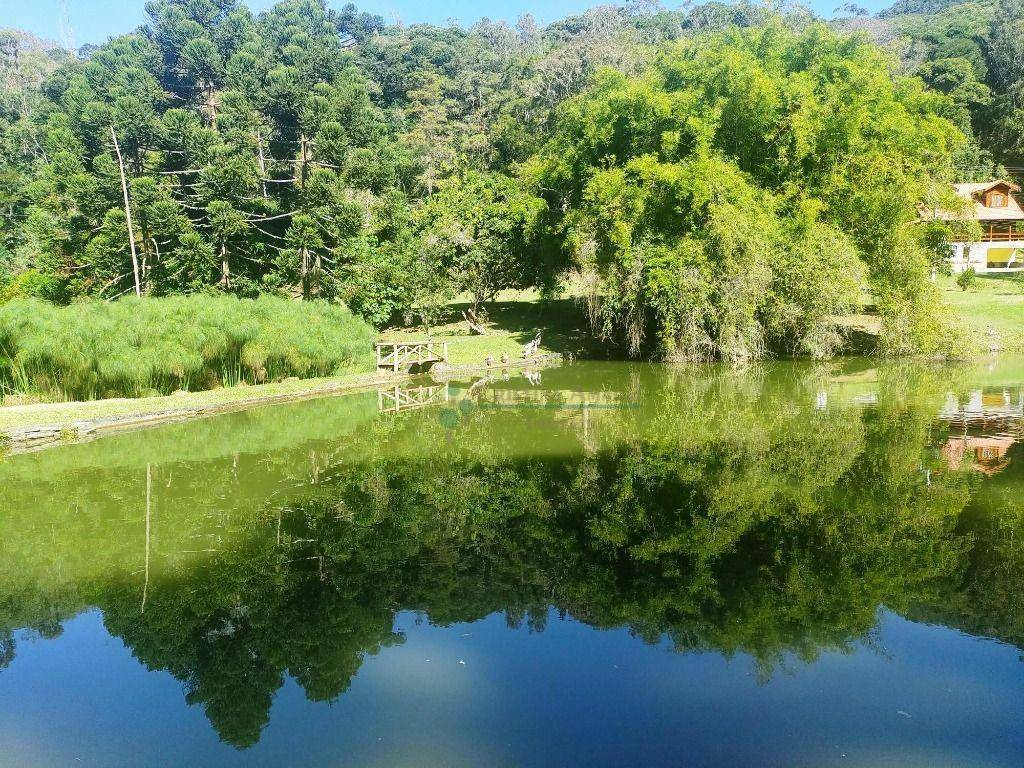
[984, 406]
[995, 419]
[983, 426]
[984, 454]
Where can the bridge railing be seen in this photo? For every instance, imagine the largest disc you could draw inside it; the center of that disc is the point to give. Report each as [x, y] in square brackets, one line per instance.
[399, 354]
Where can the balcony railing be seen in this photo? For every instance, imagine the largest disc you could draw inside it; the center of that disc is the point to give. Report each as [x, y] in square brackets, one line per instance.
[1002, 233]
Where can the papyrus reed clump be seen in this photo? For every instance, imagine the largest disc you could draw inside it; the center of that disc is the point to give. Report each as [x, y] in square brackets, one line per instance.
[136, 347]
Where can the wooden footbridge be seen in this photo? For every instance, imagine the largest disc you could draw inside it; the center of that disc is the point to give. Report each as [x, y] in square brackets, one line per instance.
[399, 355]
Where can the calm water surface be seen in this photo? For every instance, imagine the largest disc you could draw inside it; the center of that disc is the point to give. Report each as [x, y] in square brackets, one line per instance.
[608, 565]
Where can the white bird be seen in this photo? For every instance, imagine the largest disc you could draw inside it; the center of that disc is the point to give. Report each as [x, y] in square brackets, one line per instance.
[533, 346]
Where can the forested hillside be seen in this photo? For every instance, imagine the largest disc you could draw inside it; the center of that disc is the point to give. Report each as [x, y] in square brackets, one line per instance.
[972, 50]
[724, 181]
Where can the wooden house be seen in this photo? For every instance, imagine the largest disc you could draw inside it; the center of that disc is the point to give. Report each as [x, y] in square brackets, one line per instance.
[994, 205]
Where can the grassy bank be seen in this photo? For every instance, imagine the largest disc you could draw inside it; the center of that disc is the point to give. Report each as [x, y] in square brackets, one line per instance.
[991, 311]
[140, 347]
[511, 322]
[77, 418]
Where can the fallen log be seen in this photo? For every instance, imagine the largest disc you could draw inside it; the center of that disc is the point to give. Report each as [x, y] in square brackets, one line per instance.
[474, 322]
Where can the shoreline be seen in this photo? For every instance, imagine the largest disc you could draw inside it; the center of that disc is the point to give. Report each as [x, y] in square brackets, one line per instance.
[26, 428]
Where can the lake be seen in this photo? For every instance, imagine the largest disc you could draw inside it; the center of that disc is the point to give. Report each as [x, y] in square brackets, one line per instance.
[604, 564]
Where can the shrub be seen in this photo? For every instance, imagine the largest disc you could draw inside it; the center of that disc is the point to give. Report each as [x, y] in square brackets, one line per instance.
[31, 283]
[967, 278]
[135, 346]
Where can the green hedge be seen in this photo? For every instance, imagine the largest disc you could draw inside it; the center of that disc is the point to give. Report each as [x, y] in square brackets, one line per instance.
[136, 347]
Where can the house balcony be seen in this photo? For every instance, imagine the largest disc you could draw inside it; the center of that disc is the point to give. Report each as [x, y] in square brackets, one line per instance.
[1002, 233]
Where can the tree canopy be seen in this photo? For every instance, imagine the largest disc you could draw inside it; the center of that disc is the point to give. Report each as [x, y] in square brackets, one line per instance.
[746, 188]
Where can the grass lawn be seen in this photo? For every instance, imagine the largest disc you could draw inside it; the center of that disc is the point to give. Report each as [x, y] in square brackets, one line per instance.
[994, 302]
[511, 322]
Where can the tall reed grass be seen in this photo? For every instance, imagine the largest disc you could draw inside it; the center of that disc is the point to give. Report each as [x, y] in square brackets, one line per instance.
[135, 347]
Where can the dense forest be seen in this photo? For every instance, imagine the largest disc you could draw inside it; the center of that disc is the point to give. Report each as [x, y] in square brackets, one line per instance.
[717, 182]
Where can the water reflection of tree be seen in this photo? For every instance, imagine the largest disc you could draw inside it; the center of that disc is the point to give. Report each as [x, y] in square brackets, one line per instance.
[6, 648]
[711, 549]
[989, 599]
[717, 515]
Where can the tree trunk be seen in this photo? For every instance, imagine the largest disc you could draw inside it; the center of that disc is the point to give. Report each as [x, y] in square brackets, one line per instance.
[225, 267]
[302, 161]
[211, 104]
[305, 273]
[474, 322]
[318, 266]
[144, 241]
[263, 163]
[127, 213]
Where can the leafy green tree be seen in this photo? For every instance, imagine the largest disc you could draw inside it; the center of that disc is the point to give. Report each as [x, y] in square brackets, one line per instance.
[227, 225]
[482, 226]
[304, 245]
[1006, 52]
[732, 198]
[192, 265]
[306, 131]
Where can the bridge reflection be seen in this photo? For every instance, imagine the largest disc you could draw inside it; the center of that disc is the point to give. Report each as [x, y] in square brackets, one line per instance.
[398, 398]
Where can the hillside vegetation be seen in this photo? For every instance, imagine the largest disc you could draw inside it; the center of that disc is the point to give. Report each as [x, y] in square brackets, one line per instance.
[973, 51]
[723, 181]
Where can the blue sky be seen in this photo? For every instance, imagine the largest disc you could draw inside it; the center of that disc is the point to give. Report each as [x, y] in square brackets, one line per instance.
[92, 21]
